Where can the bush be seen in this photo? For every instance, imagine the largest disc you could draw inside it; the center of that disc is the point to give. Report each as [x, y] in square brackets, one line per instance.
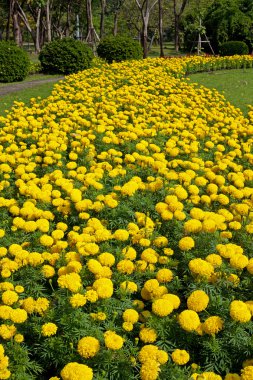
[118, 49]
[14, 62]
[233, 48]
[65, 56]
[34, 68]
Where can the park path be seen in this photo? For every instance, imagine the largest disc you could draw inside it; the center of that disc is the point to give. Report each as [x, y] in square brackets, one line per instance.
[8, 89]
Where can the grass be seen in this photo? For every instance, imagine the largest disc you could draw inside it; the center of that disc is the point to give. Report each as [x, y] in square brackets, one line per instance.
[30, 78]
[236, 85]
[169, 50]
[42, 90]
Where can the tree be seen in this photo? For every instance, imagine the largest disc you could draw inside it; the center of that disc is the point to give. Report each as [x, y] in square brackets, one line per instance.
[230, 20]
[178, 8]
[92, 36]
[161, 28]
[145, 8]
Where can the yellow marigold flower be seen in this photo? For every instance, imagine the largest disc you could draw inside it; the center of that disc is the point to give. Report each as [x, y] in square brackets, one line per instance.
[103, 287]
[30, 226]
[148, 352]
[212, 325]
[121, 234]
[91, 295]
[49, 329]
[209, 225]
[19, 289]
[127, 326]
[19, 338]
[129, 286]
[106, 259]
[88, 347]
[76, 195]
[189, 320]
[149, 255]
[113, 341]
[247, 373]
[162, 307]
[151, 285]
[186, 243]
[46, 240]
[71, 281]
[164, 275]
[77, 300]
[180, 357]
[130, 315]
[7, 332]
[2, 233]
[193, 226]
[162, 356]
[148, 335]
[201, 267]
[76, 371]
[5, 374]
[48, 271]
[29, 305]
[239, 311]
[175, 300]
[150, 370]
[210, 376]
[5, 311]
[129, 253]
[125, 266]
[41, 305]
[62, 226]
[232, 376]
[160, 241]
[94, 266]
[18, 315]
[197, 301]
[214, 259]
[9, 297]
[239, 261]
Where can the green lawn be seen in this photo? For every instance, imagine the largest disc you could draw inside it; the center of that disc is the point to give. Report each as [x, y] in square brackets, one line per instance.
[236, 85]
[42, 90]
[31, 78]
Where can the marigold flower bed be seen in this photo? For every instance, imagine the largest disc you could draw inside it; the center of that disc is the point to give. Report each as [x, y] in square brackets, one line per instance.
[126, 228]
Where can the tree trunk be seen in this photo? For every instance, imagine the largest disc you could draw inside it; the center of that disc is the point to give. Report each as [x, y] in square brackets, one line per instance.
[176, 26]
[67, 30]
[8, 26]
[177, 17]
[92, 36]
[48, 22]
[145, 35]
[37, 38]
[102, 18]
[16, 26]
[161, 28]
[115, 24]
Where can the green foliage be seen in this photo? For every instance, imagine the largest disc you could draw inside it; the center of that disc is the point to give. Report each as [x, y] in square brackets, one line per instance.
[233, 48]
[119, 48]
[14, 63]
[34, 67]
[65, 56]
[229, 20]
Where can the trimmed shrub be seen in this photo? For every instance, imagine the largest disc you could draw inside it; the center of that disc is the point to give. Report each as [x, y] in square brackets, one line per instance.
[119, 48]
[14, 62]
[234, 48]
[65, 56]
